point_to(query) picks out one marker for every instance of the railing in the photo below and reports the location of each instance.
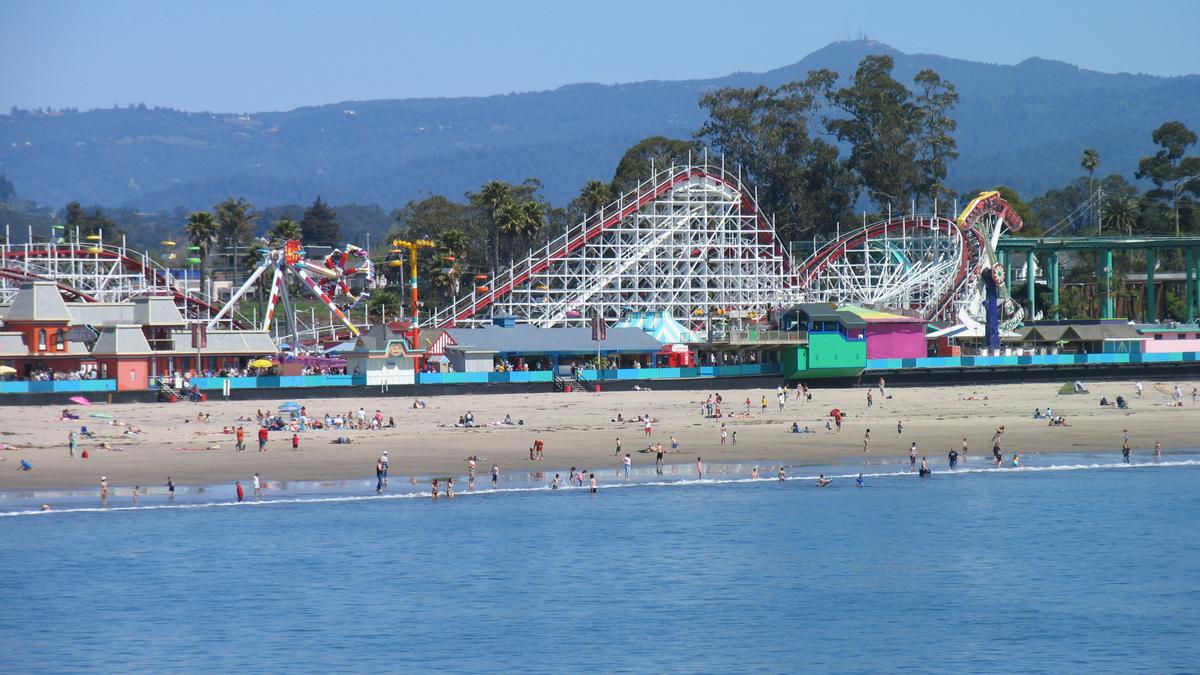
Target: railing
(770, 336)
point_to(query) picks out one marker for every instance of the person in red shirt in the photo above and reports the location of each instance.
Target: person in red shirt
(241, 493)
(295, 441)
(262, 439)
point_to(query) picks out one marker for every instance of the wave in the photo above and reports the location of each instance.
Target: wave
(686, 482)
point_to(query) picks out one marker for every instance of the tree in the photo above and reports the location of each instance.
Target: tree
(879, 124)
(78, 220)
(1172, 173)
(655, 153)
(202, 233)
(936, 146)
(319, 225)
(596, 194)
(800, 178)
(235, 224)
(1090, 161)
(7, 191)
(494, 196)
(283, 230)
(1121, 213)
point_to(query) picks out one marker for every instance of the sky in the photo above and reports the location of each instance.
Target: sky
(260, 55)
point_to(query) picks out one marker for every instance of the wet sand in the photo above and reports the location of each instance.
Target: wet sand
(578, 431)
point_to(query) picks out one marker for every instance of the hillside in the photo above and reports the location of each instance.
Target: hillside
(1022, 125)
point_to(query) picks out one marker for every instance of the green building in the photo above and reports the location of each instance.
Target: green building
(837, 342)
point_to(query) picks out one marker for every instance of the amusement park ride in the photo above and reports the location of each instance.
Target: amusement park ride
(325, 280)
(690, 241)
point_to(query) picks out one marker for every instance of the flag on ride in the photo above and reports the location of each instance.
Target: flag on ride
(599, 329)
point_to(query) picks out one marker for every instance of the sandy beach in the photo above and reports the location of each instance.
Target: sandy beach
(578, 431)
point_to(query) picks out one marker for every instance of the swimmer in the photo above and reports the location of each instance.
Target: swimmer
(449, 488)
(592, 479)
(782, 474)
(435, 489)
(859, 481)
(1157, 451)
(754, 474)
(555, 483)
(1016, 461)
(822, 481)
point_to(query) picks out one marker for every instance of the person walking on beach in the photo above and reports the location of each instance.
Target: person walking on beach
(747, 405)
(103, 491)
(953, 457)
(867, 441)
(170, 489)
(1157, 451)
(899, 427)
(258, 491)
(649, 428)
(733, 437)
(495, 475)
(627, 462)
(674, 443)
(912, 457)
(1138, 386)
(240, 434)
(262, 439)
(699, 469)
(882, 391)
(764, 404)
(295, 441)
(241, 492)
(963, 454)
(724, 434)
(617, 452)
(383, 461)
(658, 460)
(870, 399)
(72, 439)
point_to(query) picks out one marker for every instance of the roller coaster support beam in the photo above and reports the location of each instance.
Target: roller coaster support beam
(1151, 295)
(238, 296)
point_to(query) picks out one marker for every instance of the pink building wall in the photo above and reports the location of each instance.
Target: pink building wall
(896, 340)
(1165, 346)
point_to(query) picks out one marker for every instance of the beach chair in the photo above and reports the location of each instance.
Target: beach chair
(83, 432)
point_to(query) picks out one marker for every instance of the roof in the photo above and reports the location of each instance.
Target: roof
(38, 301)
(13, 344)
(101, 313)
(1079, 332)
(375, 339)
(157, 310)
(661, 325)
(878, 316)
(247, 342)
(121, 340)
(527, 339)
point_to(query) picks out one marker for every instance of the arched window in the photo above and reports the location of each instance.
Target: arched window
(41, 344)
(60, 340)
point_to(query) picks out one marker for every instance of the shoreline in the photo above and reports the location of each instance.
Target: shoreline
(578, 432)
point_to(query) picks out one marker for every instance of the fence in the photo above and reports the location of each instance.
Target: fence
(57, 386)
(1032, 360)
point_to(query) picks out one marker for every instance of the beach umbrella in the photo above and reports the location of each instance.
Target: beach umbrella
(101, 416)
(290, 406)
(835, 413)
(80, 400)
(7, 370)
(261, 363)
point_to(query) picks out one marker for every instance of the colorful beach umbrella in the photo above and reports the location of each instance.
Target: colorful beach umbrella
(261, 363)
(80, 400)
(7, 370)
(101, 416)
(290, 406)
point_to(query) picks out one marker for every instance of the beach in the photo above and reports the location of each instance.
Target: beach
(578, 430)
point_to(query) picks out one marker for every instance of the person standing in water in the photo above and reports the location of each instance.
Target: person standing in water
(782, 475)
(592, 479)
(170, 489)
(555, 483)
(953, 457)
(699, 469)
(434, 489)
(912, 457)
(378, 476)
(136, 494)
(241, 492)
(754, 473)
(258, 491)
(471, 472)
(963, 454)
(859, 481)
(627, 462)
(450, 487)
(495, 475)
(1157, 451)
(103, 490)
(658, 459)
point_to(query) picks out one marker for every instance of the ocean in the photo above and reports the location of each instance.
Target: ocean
(1072, 564)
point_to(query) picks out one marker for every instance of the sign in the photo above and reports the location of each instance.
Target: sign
(599, 329)
(199, 336)
(395, 349)
(679, 349)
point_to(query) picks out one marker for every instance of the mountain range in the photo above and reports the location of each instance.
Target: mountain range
(1023, 125)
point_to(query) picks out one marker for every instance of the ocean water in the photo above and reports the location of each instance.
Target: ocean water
(1073, 564)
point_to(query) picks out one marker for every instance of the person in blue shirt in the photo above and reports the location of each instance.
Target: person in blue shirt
(859, 481)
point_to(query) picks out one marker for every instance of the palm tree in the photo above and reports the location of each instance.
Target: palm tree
(595, 195)
(283, 230)
(533, 218)
(1121, 212)
(1089, 162)
(202, 233)
(451, 244)
(495, 196)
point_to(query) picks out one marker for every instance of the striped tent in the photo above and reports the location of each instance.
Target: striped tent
(660, 325)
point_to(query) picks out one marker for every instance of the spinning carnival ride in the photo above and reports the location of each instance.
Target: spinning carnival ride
(326, 280)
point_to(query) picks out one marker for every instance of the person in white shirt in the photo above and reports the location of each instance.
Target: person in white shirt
(258, 492)
(628, 462)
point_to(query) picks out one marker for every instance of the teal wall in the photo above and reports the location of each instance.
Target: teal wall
(1042, 360)
(57, 387)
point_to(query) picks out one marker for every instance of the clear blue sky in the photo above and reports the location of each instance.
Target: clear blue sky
(254, 55)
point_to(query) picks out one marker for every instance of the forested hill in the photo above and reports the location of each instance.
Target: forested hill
(1022, 125)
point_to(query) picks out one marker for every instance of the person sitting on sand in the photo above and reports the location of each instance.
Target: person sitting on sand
(1037, 413)
(795, 427)
(68, 415)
